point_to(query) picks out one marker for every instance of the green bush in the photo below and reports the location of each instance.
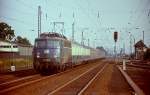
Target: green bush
(6, 63)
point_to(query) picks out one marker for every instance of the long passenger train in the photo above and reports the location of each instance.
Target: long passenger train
(53, 52)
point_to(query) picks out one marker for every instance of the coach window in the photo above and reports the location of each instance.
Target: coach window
(14, 46)
(6, 46)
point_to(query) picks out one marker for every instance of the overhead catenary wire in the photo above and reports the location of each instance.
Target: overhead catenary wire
(143, 16)
(23, 24)
(86, 13)
(137, 13)
(18, 12)
(134, 13)
(26, 5)
(142, 11)
(82, 9)
(16, 20)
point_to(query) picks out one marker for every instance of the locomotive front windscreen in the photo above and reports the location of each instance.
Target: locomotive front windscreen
(46, 48)
(47, 43)
(53, 44)
(40, 43)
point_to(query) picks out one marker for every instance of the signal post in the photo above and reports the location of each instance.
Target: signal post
(115, 39)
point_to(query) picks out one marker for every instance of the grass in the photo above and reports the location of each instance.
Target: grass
(19, 63)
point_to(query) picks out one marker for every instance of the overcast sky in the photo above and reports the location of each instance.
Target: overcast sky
(97, 18)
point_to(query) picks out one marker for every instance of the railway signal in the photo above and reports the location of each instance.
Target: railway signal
(115, 36)
(115, 39)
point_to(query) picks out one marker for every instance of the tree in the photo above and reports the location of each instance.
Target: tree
(6, 33)
(23, 41)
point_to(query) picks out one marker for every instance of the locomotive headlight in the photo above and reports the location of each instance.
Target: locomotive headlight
(38, 55)
(57, 53)
(46, 51)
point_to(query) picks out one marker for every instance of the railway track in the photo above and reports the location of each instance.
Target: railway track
(81, 80)
(14, 83)
(141, 76)
(80, 83)
(139, 66)
(10, 76)
(13, 87)
(96, 81)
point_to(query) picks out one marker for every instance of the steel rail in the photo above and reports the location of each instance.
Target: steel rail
(91, 81)
(61, 87)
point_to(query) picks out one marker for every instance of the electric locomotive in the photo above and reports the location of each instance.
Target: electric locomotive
(52, 51)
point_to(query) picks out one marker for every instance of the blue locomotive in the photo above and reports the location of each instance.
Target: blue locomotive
(54, 52)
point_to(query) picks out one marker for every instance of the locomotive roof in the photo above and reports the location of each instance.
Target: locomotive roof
(51, 35)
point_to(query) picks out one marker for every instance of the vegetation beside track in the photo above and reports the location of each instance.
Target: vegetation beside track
(19, 63)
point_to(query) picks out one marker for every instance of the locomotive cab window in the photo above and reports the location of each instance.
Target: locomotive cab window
(47, 43)
(40, 43)
(53, 43)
